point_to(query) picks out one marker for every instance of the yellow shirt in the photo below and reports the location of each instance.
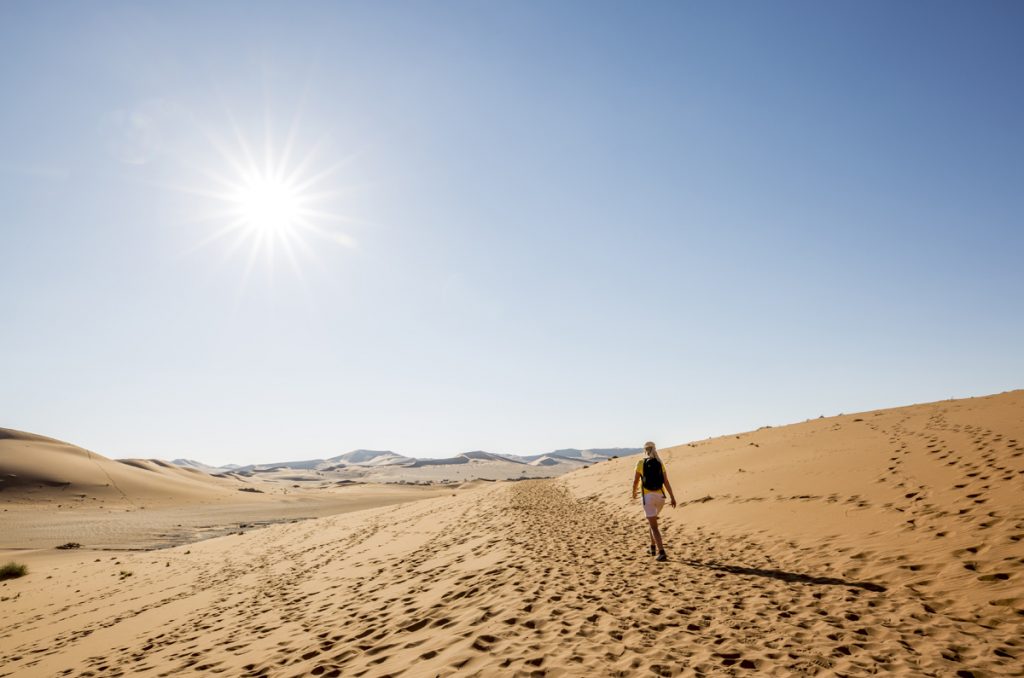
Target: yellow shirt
(640, 470)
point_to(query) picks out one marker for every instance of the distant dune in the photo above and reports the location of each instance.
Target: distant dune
(366, 457)
(885, 542)
(385, 466)
(53, 492)
(33, 466)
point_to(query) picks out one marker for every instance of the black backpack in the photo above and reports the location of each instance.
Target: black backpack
(653, 475)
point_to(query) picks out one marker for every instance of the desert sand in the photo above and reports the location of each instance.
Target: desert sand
(878, 542)
(54, 493)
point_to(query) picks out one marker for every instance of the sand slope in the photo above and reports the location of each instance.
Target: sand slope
(34, 467)
(842, 546)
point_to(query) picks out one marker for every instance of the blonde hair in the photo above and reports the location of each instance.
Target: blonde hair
(651, 450)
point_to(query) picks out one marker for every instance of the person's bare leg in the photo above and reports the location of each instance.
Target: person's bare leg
(650, 532)
(655, 533)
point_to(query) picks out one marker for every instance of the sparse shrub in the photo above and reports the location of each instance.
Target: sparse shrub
(13, 570)
(250, 489)
(70, 545)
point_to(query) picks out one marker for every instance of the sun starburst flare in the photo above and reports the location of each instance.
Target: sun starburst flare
(270, 205)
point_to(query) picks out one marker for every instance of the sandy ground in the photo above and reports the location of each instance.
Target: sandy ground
(441, 473)
(128, 527)
(881, 542)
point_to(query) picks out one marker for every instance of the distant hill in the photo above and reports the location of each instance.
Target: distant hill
(590, 455)
(599, 453)
(489, 456)
(306, 465)
(369, 457)
(199, 466)
(386, 465)
(447, 461)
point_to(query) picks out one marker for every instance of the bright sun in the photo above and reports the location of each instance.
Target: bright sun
(268, 206)
(271, 203)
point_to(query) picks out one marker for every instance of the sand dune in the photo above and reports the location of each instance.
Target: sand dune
(882, 542)
(384, 466)
(33, 466)
(53, 493)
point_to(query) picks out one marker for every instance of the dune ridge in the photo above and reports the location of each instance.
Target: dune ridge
(885, 541)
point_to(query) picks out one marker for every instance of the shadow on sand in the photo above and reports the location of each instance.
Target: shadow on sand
(786, 576)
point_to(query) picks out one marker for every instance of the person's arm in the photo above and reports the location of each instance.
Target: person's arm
(636, 483)
(671, 494)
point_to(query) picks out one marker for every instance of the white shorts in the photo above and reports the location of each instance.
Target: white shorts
(653, 503)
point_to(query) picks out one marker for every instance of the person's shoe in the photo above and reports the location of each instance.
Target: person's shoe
(654, 549)
(661, 556)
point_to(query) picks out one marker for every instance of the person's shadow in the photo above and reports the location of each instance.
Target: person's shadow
(785, 576)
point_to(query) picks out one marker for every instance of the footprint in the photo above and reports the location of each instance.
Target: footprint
(998, 576)
(484, 643)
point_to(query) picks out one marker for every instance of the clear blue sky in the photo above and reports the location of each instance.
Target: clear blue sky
(543, 224)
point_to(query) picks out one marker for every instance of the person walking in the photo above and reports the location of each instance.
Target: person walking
(652, 479)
